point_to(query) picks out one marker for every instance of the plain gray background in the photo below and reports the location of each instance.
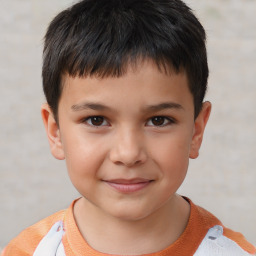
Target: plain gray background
(222, 179)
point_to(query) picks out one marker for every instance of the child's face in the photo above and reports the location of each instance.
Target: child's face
(127, 141)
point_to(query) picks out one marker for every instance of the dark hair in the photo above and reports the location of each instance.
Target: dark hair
(101, 37)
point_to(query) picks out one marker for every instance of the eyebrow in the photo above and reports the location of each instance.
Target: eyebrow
(149, 108)
(89, 105)
(163, 106)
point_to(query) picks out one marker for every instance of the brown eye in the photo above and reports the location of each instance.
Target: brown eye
(158, 120)
(96, 121)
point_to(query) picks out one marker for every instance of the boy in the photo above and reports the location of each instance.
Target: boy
(125, 82)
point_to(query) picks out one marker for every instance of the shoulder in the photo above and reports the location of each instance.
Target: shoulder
(27, 241)
(220, 240)
(239, 240)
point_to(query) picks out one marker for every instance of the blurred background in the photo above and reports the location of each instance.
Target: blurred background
(222, 180)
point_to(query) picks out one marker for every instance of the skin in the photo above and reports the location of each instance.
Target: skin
(127, 143)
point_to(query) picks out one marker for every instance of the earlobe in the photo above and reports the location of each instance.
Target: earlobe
(199, 127)
(53, 132)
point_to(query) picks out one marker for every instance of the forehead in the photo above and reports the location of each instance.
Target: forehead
(144, 83)
(134, 66)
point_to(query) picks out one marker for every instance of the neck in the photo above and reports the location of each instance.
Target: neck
(112, 235)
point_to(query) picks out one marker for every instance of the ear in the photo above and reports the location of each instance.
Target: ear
(53, 132)
(199, 126)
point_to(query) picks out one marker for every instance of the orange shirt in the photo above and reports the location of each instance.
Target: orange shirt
(200, 221)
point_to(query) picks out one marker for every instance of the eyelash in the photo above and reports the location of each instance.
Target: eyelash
(166, 121)
(90, 118)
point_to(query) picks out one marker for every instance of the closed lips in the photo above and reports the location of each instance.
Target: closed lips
(127, 186)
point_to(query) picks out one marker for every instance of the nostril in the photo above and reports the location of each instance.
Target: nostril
(127, 151)
(130, 164)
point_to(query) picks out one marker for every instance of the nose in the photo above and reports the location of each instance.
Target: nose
(128, 149)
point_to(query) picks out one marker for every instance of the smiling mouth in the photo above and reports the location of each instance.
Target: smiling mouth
(129, 186)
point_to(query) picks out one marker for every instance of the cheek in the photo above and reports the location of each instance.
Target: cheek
(84, 154)
(171, 147)
(172, 155)
(84, 159)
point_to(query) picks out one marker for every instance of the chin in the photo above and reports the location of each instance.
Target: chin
(130, 213)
